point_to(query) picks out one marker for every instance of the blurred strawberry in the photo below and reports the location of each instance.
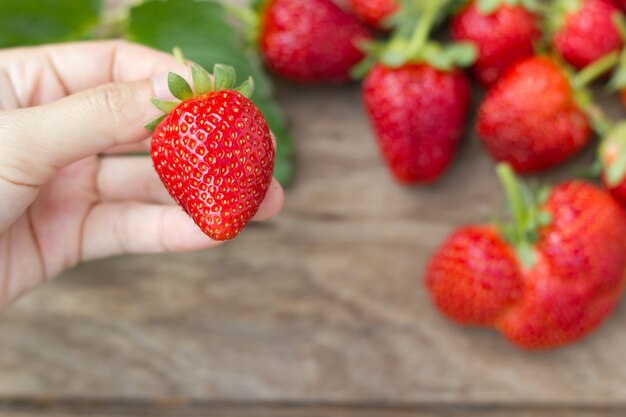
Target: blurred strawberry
(374, 12)
(309, 41)
(418, 113)
(546, 280)
(504, 32)
(531, 119)
(585, 30)
(416, 98)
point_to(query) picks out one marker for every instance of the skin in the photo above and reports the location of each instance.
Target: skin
(69, 115)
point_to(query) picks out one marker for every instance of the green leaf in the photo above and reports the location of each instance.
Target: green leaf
(33, 22)
(164, 106)
(224, 77)
(153, 124)
(202, 31)
(247, 87)
(179, 87)
(202, 82)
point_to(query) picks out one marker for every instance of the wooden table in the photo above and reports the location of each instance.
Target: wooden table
(320, 312)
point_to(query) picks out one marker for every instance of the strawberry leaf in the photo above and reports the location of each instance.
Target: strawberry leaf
(33, 22)
(224, 77)
(202, 82)
(247, 88)
(164, 106)
(179, 87)
(153, 124)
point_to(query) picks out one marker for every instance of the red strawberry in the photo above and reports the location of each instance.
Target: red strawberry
(213, 151)
(586, 31)
(418, 113)
(503, 36)
(612, 155)
(310, 41)
(546, 281)
(416, 98)
(374, 12)
(530, 118)
(474, 276)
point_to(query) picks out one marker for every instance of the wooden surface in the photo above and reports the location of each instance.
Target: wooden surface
(319, 312)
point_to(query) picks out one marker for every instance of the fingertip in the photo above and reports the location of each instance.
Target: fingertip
(181, 234)
(273, 202)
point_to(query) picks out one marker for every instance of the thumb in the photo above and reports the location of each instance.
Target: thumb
(43, 139)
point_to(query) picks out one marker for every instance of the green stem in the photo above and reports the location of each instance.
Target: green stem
(113, 23)
(424, 27)
(514, 196)
(594, 70)
(600, 124)
(520, 209)
(178, 54)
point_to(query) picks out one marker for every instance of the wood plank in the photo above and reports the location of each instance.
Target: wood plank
(324, 303)
(298, 410)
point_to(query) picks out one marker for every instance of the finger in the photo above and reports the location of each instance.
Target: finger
(43, 74)
(273, 202)
(75, 127)
(130, 179)
(118, 228)
(139, 147)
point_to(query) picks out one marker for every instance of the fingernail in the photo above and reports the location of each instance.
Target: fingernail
(159, 82)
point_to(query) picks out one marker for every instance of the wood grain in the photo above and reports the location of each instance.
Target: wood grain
(297, 410)
(323, 303)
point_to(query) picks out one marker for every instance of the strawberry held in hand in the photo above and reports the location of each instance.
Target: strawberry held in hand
(504, 32)
(545, 281)
(585, 30)
(213, 151)
(416, 99)
(374, 12)
(309, 41)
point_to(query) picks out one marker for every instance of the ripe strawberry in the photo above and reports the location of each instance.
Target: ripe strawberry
(418, 113)
(415, 97)
(310, 41)
(612, 155)
(586, 31)
(374, 12)
(213, 151)
(547, 280)
(531, 119)
(503, 36)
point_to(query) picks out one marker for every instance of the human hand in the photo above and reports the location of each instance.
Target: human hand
(68, 114)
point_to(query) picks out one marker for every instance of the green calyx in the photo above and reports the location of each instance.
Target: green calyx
(410, 41)
(487, 7)
(528, 217)
(558, 13)
(612, 155)
(223, 78)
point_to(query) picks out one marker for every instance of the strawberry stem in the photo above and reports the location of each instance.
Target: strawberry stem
(599, 122)
(526, 216)
(178, 54)
(424, 27)
(595, 70)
